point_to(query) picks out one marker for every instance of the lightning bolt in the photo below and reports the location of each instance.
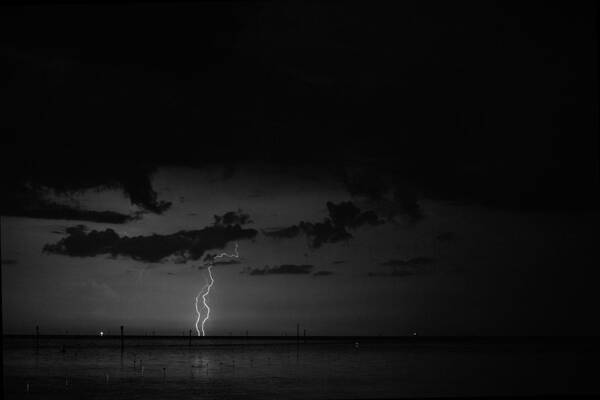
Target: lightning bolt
(207, 292)
(212, 281)
(236, 255)
(198, 310)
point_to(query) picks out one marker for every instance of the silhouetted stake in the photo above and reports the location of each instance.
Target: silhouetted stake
(27, 388)
(122, 341)
(164, 373)
(190, 338)
(304, 335)
(37, 338)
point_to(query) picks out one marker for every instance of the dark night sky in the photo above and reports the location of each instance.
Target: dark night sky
(428, 167)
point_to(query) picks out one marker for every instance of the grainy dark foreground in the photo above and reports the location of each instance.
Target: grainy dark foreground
(314, 368)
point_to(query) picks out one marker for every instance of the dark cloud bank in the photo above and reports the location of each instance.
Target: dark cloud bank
(187, 245)
(233, 218)
(404, 268)
(223, 262)
(51, 210)
(342, 216)
(283, 269)
(540, 116)
(26, 189)
(395, 197)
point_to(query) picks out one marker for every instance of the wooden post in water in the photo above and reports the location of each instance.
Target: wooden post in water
(190, 338)
(122, 340)
(304, 335)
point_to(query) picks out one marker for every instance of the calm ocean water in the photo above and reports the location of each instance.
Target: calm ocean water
(236, 368)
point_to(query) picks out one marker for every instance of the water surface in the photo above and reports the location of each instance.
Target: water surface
(151, 367)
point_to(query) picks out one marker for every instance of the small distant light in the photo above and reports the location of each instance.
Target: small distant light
(414, 333)
(101, 333)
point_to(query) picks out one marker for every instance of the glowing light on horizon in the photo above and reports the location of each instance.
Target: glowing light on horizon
(200, 330)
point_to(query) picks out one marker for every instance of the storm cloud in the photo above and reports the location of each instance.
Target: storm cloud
(220, 261)
(283, 269)
(232, 218)
(342, 216)
(283, 233)
(403, 268)
(185, 245)
(394, 196)
(27, 188)
(50, 210)
(324, 232)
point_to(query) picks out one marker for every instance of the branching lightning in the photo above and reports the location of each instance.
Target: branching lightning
(212, 281)
(207, 287)
(198, 311)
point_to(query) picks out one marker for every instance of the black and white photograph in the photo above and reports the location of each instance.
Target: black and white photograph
(299, 200)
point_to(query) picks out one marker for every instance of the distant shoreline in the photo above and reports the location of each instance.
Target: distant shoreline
(348, 338)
